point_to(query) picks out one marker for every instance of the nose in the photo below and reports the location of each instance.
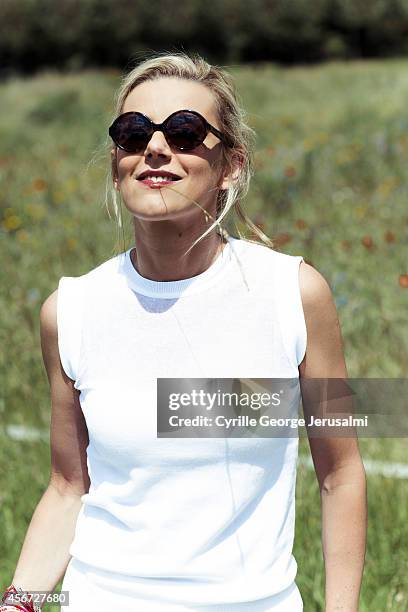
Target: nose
(157, 146)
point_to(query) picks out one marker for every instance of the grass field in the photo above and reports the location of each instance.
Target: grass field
(330, 184)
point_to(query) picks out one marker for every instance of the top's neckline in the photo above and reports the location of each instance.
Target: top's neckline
(185, 286)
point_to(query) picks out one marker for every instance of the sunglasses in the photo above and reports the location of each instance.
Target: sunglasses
(184, 130)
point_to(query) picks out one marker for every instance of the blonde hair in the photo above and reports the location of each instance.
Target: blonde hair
(232, 123)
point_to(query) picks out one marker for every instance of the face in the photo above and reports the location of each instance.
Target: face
(199, 170)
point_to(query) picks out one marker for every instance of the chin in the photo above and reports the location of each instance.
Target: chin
(158, 210)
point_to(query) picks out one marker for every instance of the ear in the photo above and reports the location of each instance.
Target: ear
(232, 172)
(114, 168)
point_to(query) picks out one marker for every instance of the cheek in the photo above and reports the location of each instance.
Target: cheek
(127, 166)
(204, 170)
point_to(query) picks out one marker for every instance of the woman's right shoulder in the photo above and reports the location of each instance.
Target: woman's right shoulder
(48, 313)
(49, 308)
(49, 334)
(72, 287)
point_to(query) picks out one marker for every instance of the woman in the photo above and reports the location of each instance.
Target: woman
(204, 522)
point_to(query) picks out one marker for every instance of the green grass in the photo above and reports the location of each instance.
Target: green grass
(331, 183)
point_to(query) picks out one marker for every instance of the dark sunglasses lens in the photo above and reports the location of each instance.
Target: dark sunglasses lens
(131, 132)
(186, 131)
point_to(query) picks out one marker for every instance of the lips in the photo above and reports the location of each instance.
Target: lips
(155, 179)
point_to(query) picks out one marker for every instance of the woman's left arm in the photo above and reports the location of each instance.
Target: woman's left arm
(337, 461)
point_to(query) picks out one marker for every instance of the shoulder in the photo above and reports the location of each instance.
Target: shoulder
(49, 333)
(317, 299)
(314, 288)
(48, 315)
(324, 354)
(65, 299)
(263, 254)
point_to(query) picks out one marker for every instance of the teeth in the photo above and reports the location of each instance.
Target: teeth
(158, 179)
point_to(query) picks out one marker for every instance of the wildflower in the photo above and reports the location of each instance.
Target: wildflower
(403, 281)
(389, 236)
(367, 242)
(290, 171)
(281, 239)
(300, 224)
(39, 184)
(12, 222)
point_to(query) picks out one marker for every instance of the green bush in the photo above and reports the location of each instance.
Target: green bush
(72, 34)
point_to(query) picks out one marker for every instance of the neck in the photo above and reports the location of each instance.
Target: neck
(160, 260)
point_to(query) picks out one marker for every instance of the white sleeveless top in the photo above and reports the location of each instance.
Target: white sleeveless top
(202, 520)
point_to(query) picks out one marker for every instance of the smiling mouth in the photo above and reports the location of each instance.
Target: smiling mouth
(158, 181)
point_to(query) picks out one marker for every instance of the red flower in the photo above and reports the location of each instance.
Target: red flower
(300, 224)
(39, 184)
(403, 281)
(281, 239)
(290, 171)
(367, 242)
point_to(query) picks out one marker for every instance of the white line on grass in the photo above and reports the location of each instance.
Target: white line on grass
(23, 433)
(372, 467)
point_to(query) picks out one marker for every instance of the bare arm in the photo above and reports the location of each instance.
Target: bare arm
(337, 461)
(45, 553)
